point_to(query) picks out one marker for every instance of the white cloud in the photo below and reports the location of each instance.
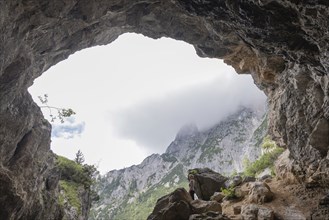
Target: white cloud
(68, 130)
(155, 122)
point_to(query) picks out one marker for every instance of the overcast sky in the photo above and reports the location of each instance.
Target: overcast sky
(132, 96)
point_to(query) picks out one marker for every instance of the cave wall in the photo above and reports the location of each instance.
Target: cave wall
(283, 44)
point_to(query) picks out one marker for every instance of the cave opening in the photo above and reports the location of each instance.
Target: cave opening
(133, 95)
(286, 55)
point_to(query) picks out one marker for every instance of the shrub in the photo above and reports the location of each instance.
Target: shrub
(71, 194)
(74, 172)
(266, 160)
(228, 192)
(194, 171)
(268, 144)
(75, 177)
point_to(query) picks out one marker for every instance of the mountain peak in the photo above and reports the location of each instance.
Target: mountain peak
(187, 130)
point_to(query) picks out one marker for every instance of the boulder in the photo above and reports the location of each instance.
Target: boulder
(207, 182)
(256, 212)
(248, 179)
(265, 177)
(174, 206)
(208, 216)
(234, 181)
(260, 193)
(242, 191)
(200, 206)
(265, 213)
(218, 197)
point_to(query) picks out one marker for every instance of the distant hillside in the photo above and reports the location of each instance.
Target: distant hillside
(131, 193)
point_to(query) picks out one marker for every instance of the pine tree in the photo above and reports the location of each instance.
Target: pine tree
(79, 158)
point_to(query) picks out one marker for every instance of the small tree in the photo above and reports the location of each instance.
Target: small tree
(79, 158)
(61, 112)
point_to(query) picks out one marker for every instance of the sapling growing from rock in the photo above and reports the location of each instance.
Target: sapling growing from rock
(61, 112)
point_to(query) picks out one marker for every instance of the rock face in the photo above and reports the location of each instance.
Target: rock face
(207, 182)
(282, 44)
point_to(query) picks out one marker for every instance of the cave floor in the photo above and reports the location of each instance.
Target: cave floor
(291, 201)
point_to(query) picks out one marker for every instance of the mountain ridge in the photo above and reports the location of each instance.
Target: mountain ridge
(133, 191)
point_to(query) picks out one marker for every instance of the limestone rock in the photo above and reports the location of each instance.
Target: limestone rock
(234, 181)
(208, 182)
(260, 193)
(172, 206)
(208, 216)
(243, 190)
(283, 168)
(256, 212)
(218, 197)
(200, 206)
(248, 179)
(265, 178)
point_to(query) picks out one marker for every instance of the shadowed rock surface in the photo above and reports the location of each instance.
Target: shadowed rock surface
(176, 205)
(179, 205)
(207, 182)
(282, 44)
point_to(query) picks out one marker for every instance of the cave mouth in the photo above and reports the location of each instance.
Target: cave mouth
(282, 44)
(163, 78)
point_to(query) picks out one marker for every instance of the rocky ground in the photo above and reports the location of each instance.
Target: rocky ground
(245, 198)
(290, 201)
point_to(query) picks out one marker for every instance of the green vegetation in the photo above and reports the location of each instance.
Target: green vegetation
(228, 192)
(268, 144)
(79, 158)
(71, 194)
(194, 171)
(61, 112)
(75, 178)
(263, 162)
(74, 172)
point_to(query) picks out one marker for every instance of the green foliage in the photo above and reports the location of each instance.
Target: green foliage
(228, 192)
(71, 171)
(266, 160)
(71, 193)
(79, 158)
(61, 112)
(194, 171)
(268, 144)
(74, 179)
